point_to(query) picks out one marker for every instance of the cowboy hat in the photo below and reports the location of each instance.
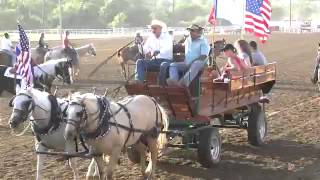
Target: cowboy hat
(158, 23)
(195, 27)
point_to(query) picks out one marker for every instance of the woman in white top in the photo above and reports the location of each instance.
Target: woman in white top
(244, 51)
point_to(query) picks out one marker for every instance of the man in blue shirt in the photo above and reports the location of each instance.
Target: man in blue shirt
(196, 53)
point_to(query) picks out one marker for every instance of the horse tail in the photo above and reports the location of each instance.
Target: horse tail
(162, 138)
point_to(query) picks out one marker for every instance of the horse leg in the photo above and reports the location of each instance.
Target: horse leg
(91, 169)
(40, 160)
(73, 165)
(152, 144)
(122, 64)
(113, 161)
(141, 148)
(99, 161)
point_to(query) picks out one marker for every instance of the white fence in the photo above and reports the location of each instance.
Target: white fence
(55, 34)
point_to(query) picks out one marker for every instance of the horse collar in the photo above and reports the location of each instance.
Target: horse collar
(56, 118)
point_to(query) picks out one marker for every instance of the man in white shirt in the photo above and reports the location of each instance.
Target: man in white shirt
(157, 50)
(6, 46)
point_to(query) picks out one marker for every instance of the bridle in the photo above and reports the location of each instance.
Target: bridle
(83, 116)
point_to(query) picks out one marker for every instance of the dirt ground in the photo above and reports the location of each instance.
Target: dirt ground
(291, 151)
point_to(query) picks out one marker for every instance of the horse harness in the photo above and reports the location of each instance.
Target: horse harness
(104, 124)
(57, 117)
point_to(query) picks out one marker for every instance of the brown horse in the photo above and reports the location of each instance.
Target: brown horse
(132, 53)
(5, 59)
(316, 73)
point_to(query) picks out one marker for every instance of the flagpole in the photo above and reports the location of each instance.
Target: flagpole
(243, 21)
(214, 25)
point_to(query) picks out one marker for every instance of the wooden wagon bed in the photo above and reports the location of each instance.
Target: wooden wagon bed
(206, 98)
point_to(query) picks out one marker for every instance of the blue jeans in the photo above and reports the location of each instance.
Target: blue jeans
(146, 65)
(191, 71)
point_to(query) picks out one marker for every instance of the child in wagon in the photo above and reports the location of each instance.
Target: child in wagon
(235, 66)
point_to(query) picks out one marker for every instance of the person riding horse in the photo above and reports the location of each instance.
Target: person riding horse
(7, 48)
(66, 43)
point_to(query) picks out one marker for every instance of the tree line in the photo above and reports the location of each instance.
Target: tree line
(36, 14)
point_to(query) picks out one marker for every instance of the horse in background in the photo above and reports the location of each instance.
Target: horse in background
(60, 52)
(131, 53)
(44, 75)
(109, 127)
(86, 50)
(5, 59)
(316, 73)
(38, 54)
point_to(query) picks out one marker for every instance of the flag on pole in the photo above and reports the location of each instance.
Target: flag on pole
(23, 52)
(213, 13)
(257, 18)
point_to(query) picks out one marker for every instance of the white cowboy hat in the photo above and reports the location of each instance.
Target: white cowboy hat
(158, 23)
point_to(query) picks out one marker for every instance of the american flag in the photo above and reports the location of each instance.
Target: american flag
(257, 18)
(24, 57)
(213, 13)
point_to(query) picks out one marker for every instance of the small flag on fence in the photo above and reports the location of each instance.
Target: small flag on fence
(257, 18)
(23, 53)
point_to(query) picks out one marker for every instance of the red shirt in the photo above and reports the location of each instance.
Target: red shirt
(66, 42)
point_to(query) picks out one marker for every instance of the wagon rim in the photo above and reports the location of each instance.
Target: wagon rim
(215, 148)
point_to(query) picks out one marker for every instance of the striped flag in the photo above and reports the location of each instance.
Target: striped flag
(257, 18)
(23, 52)
(213, 13)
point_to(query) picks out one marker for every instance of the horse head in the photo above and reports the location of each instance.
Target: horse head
(64, 70)
(22, 106)
(92, 50)
(81, 108)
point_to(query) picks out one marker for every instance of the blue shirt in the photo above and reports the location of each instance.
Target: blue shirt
(195, 48)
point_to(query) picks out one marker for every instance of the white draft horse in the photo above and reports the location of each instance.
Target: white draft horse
(109, 127)
(47, 123)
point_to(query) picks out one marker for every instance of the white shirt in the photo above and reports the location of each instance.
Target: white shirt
(6, 44)
(163, 44)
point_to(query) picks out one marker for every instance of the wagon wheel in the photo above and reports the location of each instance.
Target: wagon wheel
(209, 148)
(133, 155)
(257, 125)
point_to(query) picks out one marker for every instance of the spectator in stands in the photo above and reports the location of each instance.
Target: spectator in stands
(41, 42)
(157, 49)
(244, 51)
(257, 56)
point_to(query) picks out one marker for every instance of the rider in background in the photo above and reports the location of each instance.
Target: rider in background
(6, 45)
(244, 51)
(257, 56)
(41, 42)
(66, 42)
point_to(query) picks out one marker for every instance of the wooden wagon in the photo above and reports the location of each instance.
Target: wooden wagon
(197, 112)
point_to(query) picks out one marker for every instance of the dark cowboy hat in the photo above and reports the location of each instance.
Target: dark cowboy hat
(195, 27)
(229, 47)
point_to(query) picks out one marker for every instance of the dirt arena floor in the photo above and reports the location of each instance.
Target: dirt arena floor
(291, 152)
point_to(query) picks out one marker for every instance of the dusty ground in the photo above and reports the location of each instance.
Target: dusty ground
(294, 121)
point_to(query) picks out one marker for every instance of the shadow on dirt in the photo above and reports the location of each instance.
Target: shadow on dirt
(244, 162)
